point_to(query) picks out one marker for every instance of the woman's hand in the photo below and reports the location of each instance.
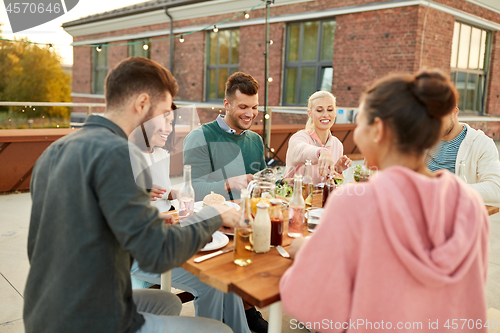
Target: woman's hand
(325, 162)
(342, 163)
(156, 192)
(295, 246)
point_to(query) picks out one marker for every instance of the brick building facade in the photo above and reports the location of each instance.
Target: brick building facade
(371, 38)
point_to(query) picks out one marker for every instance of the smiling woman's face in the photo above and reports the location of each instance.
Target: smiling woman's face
(163, 128)
(322, 113)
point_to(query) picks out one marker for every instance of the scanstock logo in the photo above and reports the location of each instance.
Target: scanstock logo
(26, 14)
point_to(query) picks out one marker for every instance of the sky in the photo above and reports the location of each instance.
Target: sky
(52, 32)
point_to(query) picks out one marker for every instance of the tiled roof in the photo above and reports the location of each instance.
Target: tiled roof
(143, 7)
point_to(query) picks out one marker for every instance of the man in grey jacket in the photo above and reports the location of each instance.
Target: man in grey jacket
(89, 217)
(471, 155)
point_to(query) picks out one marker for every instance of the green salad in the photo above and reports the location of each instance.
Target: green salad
(283, 189)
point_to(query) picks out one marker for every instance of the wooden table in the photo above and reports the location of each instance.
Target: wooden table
(257, 283)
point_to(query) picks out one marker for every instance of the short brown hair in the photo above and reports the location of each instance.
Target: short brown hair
(245, 83)
(412, 106)
(137, 75)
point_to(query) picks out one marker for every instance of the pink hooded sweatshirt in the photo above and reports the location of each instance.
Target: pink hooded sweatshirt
(402, 252)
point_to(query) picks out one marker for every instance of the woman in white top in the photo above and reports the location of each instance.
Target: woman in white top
(316, 142)
(156, 140)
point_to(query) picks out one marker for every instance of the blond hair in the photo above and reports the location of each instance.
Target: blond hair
(316, 95)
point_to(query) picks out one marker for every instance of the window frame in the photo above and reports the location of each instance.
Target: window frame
(231, 67)
(483, 74)
(299, 64)
(96, 69)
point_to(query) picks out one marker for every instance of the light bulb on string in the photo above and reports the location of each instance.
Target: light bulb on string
(215, 28)
(266, 116)
(271, 42)
(99, 48)
(145, 46)
(181, 39)
(270, 79)
(247, 16)
(51, 48)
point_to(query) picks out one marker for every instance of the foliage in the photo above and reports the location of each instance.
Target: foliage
(33, 73)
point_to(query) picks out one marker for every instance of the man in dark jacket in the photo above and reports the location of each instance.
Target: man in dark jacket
(89, 217)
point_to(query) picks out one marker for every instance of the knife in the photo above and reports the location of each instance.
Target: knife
(211, 255)
(283, 252)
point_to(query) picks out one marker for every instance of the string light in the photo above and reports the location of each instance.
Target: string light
(270, 79)
(99, 48)
(247, 16)
(145, 46)
(51, 48)
(266, 116)
(215, 28)
(181, 39)
(271, 42)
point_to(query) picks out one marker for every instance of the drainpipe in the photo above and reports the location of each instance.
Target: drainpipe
(172, 40)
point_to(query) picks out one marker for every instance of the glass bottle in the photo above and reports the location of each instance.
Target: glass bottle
(296, 209)
(186, 195)
(307, 184)
(328, 188)
(276, 217)
(243, 233)
(262, 229)
(461, 171)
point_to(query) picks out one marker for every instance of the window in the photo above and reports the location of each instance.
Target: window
(100, 69)
(469, 65)
(308, 60)
(223, 56)
(139, 48)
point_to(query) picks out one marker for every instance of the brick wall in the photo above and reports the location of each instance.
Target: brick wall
(82, 70)
(252, 60)
(189, 66)
(116, 53)
(493, 86)
(367, 46)
(435, 28)
(370, 45)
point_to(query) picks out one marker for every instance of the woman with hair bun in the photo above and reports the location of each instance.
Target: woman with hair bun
(409, 248)
(316, 142)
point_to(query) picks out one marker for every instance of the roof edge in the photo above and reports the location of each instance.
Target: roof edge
(124, 12)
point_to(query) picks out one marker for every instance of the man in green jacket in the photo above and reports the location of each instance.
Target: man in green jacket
(224, 154)
(89, 217)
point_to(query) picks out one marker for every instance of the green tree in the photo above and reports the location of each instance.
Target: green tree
(33, 73)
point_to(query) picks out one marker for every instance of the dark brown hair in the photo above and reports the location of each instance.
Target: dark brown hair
(245, 83)
(412, 106)
(137, 75)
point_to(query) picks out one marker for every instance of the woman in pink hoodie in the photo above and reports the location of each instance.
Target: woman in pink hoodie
(406, 251)
(316, 142)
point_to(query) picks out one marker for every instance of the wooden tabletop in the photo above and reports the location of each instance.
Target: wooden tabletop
(492, 209)
(257, 283)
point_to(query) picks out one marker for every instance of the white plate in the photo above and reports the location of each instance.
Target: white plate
(219, 241)
(199, 205)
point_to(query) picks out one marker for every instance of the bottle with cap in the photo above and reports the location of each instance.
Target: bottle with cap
(262, 229)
